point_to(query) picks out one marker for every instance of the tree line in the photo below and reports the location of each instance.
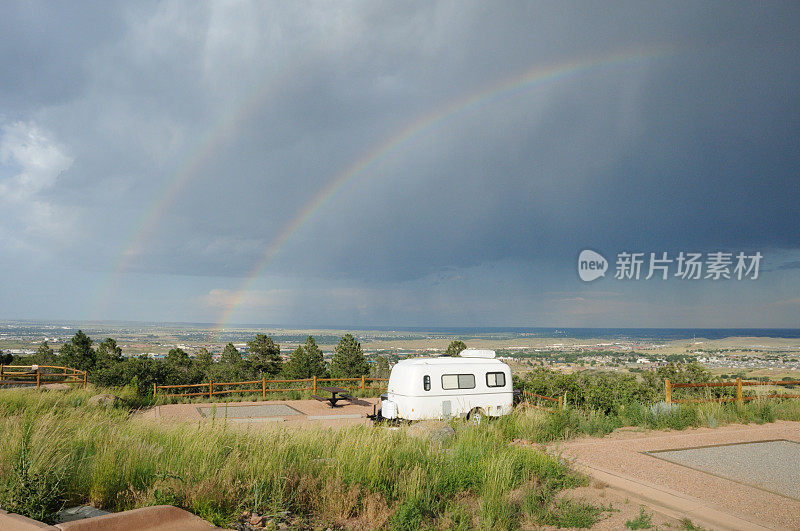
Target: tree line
(106, 365)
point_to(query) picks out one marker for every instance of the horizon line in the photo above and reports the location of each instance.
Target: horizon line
(234, 326)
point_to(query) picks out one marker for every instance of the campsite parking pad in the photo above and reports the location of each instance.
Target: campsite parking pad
(276, 413)
(773, 466)
(703, 473)
(248, 411)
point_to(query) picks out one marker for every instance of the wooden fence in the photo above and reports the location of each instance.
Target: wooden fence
(738, 384)
(558, 401)
(28, 375)
(262, 386)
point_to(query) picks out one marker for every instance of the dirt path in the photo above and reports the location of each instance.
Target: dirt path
(719, 497)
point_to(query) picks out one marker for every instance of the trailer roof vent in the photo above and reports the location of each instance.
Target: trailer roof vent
(475, 353)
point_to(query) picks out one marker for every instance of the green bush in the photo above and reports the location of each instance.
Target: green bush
(643, 521)
(611, 393)
(34, 487)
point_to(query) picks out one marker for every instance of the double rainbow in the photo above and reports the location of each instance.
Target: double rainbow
(506, 88)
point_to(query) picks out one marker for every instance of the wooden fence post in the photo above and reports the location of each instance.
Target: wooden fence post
(210, 388)
(37, 379)
(315, 384)
(362, 382)
(561, 403)
(739, 390)
(667, 391)
(154, 390)
(263, 387)
(84, 379)
(1, 372)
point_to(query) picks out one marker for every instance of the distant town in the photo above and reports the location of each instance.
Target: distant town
(523, 351)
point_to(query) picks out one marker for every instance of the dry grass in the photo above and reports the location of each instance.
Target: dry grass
(360, 477)
(355, 477)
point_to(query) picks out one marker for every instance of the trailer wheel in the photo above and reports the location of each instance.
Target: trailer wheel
(476, 415)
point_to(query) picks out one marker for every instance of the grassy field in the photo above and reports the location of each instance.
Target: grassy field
(57, 450)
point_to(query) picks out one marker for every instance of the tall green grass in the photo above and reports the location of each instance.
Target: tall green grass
(540, 426)
(59, 448)
(359, 476)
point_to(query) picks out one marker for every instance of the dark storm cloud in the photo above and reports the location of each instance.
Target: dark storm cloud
(697, 151)
(44, 49)
(258, 107)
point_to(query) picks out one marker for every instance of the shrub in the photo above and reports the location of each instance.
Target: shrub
(32, 489)
(610, 393)
(643, 521)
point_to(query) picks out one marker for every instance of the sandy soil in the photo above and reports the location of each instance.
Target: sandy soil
(623, 507)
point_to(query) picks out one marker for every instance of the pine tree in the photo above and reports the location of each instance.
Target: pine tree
(78, 353)
(203, 358)
(178, 357)
(231, 355)
(296, 367)
(44, 355)
(265, 355)
(348, 360)
(108, 352)
(316, 361)
(455, 348)
(306, 361)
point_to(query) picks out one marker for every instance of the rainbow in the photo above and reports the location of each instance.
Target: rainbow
(508, 87)
(225, 129)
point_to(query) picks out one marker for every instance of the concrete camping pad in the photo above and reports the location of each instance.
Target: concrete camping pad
(705, 474)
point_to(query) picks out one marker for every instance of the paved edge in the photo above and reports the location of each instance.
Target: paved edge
(670, 502)
(15, 522)
(158, 517)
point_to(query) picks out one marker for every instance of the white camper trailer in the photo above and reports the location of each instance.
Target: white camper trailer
(472, 385)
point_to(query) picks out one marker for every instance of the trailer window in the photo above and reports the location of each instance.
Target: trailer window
(495, 379)
(458, 381)
(426, 382)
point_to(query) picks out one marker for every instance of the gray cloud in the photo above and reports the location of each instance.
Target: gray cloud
(31, 218)
(257, 107)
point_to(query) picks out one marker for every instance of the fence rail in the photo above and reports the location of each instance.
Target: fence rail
(213, 388)
(738, 384)
(28, 375)
(559, 401)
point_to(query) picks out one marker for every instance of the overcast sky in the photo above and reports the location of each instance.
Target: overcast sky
(397, 163)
